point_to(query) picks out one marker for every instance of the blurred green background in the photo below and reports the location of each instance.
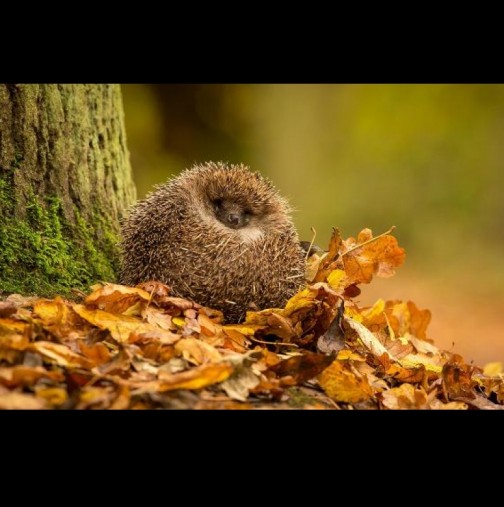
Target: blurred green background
(426, 158)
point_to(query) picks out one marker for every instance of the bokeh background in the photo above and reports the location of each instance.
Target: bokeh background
(425, 158)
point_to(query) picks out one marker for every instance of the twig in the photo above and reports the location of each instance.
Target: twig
(360, 245)
(314, 232)
(272, 343)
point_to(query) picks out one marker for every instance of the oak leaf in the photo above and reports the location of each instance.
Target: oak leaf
(367, 256)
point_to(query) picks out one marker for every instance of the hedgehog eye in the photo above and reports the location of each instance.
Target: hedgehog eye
(217, 204)
(247, 215)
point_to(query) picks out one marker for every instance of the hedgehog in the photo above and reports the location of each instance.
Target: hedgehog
(218, 234)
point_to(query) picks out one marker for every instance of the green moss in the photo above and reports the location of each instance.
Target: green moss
(42, 254)
(299, 399)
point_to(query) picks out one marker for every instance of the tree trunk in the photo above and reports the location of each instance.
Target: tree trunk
(65, 180)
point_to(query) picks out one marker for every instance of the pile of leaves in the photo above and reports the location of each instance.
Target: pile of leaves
(141, 348)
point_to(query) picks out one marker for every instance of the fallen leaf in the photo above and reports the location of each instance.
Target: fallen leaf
(239, 384)
(197, 352)
(331, 259)
(14, 376)
(195, 378)
(302, 367)
(14, 400)
(493, 369)
(367, 256)
(369, 340)
(61, 355)
(97, 353)
(406, 396)
(120, 327)
(341, 384)
(7, 308)
(458, 379)
(53, 396)
(482, 403)
(118, 299)
(436, 404)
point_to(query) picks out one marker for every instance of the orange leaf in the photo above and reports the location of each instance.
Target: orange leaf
(117, 299)
(367, 256)
(331, 259)
(21, 375)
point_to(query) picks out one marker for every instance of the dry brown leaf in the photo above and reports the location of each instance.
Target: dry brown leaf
(7, 308)
(271, 322)
(414, 375)
(458, 378)
(302, 367)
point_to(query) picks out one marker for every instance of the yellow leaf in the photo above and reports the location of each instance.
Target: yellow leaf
(54, 396)
(335, 279)
(346, 354)
(195, 378)
(492, 369)
(122, 326)
(341, 384)
(244, 329)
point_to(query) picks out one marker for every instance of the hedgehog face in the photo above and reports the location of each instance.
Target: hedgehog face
(231, 213)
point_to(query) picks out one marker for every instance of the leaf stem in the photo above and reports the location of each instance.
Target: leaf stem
(360, 245)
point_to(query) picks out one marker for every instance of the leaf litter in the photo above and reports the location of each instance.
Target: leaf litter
(141, 348)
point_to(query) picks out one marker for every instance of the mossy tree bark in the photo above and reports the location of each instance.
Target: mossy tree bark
(65, 180)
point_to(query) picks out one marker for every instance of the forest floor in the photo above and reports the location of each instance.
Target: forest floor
(404, 342)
